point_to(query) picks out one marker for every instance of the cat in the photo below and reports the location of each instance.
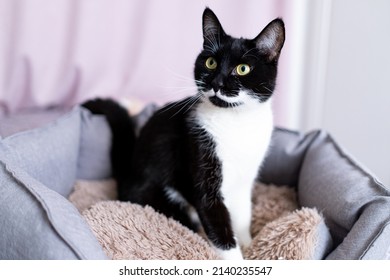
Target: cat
(204, 152)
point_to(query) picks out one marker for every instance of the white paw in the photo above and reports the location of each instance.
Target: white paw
(231, 254)
(244, 238)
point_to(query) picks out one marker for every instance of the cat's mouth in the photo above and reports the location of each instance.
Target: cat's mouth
(222, 101)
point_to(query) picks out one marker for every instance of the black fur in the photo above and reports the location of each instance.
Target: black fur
(173, 151)
(123, 134)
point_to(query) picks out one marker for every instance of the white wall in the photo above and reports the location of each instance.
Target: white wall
(346, 89)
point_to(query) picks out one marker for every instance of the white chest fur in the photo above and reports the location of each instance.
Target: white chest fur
(242, 137)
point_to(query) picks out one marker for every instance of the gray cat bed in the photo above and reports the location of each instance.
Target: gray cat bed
(43, 153)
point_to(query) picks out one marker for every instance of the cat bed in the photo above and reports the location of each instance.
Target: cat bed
(130, 231)
(43, 154)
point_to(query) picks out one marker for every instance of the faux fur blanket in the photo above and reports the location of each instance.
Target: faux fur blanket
(280, 230)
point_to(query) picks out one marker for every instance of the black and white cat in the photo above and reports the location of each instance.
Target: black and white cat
(204, 152)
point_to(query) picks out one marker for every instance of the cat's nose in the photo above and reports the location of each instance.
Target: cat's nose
(217, 84)
(216, 88)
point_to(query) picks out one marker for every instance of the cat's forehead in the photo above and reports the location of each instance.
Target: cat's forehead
(235, 47)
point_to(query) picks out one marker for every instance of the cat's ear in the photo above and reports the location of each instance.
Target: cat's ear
(270, 41)
(212, 29)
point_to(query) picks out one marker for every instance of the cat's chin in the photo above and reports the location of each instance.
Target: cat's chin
(215, 100)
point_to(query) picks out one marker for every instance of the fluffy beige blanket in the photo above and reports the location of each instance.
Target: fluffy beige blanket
(280, 230)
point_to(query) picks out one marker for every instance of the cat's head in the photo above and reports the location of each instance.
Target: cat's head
(230, 72)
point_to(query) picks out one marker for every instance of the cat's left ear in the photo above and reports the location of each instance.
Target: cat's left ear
(270, 41)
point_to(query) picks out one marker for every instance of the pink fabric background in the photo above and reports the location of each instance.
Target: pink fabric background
(65, 51)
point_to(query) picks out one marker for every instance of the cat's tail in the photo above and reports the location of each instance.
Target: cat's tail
(123, 135)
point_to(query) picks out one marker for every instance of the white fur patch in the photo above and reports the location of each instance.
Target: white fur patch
(228, 99)
(231, 254)
(175, 197)
(242, 136)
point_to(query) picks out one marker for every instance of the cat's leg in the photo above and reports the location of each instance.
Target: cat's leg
(238, 202)
(162, 201)
(241, 213)
(216, 222)
(180, 214)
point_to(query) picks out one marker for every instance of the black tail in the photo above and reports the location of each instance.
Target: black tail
(123, 135)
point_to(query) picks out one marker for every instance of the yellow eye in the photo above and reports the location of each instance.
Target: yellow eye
(211, 63)
(243, 69)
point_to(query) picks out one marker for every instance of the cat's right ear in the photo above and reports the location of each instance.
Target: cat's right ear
(212, 30)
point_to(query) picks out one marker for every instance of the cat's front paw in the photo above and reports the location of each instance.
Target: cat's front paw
(245, 239)
(244, 236)
(231, 254)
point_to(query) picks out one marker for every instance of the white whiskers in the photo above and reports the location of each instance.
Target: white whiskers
(187, 86)
(184, 106)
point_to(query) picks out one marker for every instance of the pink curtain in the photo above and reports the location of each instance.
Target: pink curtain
(65, 51)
